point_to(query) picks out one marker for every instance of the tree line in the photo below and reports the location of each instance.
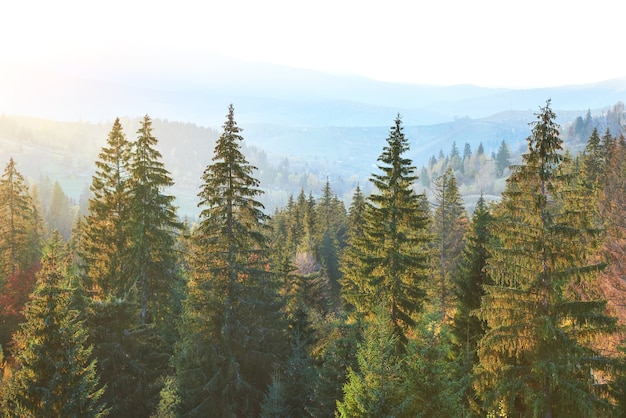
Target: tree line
(395, 306)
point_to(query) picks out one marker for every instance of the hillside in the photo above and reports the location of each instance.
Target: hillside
(300, 126)
(289, 158)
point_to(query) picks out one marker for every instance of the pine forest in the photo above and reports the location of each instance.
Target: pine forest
(401, 301)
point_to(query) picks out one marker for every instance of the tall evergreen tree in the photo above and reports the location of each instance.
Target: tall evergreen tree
(469, 281)
(55, 376)
(106, 229)
(535, 357)
(503, 159)
(60, 214)
(153, 227)
(332, 221)
(377, 387)
(449, 226)
(393, 249)
(229, 333)
(352, 264)
(19, 233)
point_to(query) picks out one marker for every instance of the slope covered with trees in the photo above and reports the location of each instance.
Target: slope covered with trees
(395, 305)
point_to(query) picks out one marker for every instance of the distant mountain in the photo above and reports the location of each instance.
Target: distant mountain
(198, 89)
(300, 126)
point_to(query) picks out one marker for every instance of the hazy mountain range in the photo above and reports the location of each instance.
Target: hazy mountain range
(329, 124)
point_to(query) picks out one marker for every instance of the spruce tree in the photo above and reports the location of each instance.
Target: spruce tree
(55, 375)
(469, 281)
(393, 249)
(449, 226)
(535, 358)
(503, 159)
(152, 259)
(230, 336)
(352, 264)
(377, 388)
(104, 246)
(331, 223)
(60, 214)
(19, 232)
(593, 160)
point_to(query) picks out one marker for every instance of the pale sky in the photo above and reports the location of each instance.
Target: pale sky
(499, 43)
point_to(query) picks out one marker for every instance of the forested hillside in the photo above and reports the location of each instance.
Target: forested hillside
(289, 158)
(483, 281)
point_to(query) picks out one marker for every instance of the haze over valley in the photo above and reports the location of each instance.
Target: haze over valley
(308, 124)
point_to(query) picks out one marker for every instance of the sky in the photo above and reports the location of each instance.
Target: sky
(516, 43)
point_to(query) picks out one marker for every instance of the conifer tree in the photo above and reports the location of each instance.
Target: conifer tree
(469, 280)
(593, 161)
(106, 228)
(377, 387)
(503, 159)
(449, 226)
(431, 376)
(19, 232)
(153, 225)
(60, 214)
(127, 250)
(55, 375)
(352, 264)
(535, 357)
(393, 250)
(331, 216)
(230, 336)
(334, 353)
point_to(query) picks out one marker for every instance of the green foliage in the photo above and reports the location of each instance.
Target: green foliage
(503, 159)
(19, 224)
(60, 215)
(536, 356)
(274, 403)
(469, 280)
(334, 355)
(20, 234)
(231, 334)
(55, 376)
(448, 227)
(169, 399)
(432, 383)
(352, 264)
(132, 358)
(377, 387)
(152, 260)
(127, 249)
(104, 246)
(390, 262)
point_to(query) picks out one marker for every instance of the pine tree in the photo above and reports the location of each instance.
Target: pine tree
(60, 214)
(431, 377)
(535, 357)
(503, 159)
(334, 353)
(449, 226)
(352, 264)
(393, 250)
(153, 225)
(55, 376)
(230, 336)
(377, 387)
(331, 222)
(106, 229)
(19, 232)
(469, 281)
